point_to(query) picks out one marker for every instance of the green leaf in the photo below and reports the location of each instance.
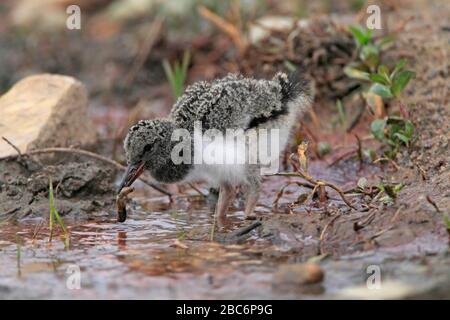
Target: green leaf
(446, 218)
(381, 90)
(395, 120)
(341, 112)
(402, 137)
(398, 187)
(370, 54)
(399, 66)
(361, 36)
(389, 190)
(391, 142)
(384, 72)
(409, 129)
(377, 128)
(400, 81)
(378, 78)
(385, 41)
(352, 72)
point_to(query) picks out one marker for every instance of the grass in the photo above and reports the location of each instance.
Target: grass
(341, 113)
(447, 221)
(55, 217)
(177, 74)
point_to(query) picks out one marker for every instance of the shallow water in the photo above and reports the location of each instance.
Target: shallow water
(164, 251)
(134, 259)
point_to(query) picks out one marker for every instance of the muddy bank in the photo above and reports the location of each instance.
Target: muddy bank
(81, 188)
(138, 260)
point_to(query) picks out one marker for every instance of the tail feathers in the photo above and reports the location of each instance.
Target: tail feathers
(294, 88)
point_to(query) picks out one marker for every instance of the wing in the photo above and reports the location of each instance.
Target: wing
(231, 102)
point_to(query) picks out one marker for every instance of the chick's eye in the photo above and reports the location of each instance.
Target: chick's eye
(147, 148)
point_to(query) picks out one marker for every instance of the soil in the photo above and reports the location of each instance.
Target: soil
(82, 188)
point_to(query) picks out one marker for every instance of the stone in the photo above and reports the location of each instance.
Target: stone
(298, 274)
(45, 111)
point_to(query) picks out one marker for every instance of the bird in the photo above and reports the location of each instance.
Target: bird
(232, 102)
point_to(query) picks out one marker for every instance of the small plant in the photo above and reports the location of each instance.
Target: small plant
(390, 84)
(394, 132)
(386, 84)
(391, 192)
(383, 191)
(381, 84)
(54, 216)
(369, 53)
(177, 74)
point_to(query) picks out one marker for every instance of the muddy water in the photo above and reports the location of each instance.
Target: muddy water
(140, 259)
(132, 260)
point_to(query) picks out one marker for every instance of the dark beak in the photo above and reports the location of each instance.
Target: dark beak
(133, 172)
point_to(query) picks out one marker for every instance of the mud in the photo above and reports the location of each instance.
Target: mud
(81, 188)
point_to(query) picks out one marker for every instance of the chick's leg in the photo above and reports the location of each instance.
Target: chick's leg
(226, 196)
(252, 195)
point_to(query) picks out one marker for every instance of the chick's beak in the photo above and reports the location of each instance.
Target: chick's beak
(133, 172)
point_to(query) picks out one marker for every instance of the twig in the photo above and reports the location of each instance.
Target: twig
(13, 146)
(90, 155)
(322, 234)
(225, 26)
(430, 201)
(342, 157)
(379, 233)
(197, 189)
(244, 230)
(332, 186)
(359, 153)
(423, 173)
(396, 166)
(358, 225)
(282, 189)
(396, 214)
(316, 183)
(356, 119)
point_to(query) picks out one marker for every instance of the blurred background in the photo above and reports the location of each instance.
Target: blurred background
(126, 50)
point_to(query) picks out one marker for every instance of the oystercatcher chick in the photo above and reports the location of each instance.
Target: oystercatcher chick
(235, 103)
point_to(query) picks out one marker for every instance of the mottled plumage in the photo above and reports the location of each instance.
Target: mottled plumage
(233, 102)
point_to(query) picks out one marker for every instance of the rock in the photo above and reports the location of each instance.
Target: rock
(298, 274)
(45, 111)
